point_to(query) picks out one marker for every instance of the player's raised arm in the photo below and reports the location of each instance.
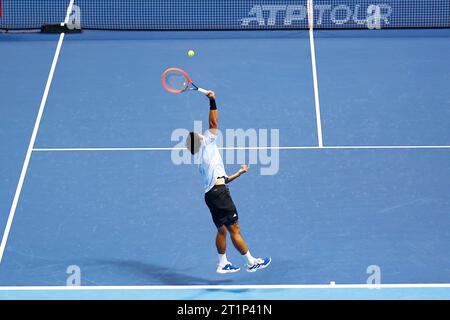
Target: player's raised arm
(213, 113)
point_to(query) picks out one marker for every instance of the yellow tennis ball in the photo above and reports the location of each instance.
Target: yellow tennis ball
(191, 53)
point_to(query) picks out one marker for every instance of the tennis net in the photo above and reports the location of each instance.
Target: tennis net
(227, 14)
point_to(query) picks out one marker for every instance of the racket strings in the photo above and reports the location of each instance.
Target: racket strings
(176, 81)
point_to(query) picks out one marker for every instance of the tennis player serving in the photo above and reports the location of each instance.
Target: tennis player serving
(217, 194)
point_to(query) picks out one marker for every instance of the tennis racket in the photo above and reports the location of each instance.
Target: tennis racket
(176, 80)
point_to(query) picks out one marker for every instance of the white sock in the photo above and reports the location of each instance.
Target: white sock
(250, 259)
(223, 261)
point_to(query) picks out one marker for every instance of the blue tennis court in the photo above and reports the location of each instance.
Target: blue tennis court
(355, 179)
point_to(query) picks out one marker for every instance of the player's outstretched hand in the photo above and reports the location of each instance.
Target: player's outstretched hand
(244, 168)
(211, 95)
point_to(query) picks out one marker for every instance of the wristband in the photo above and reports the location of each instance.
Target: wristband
(212, 104)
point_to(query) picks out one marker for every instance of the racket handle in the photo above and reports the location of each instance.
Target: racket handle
(203, 90)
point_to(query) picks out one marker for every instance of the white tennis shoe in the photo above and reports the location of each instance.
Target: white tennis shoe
(259, 264)
(229, 268)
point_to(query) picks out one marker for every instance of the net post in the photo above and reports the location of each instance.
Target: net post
(310, 10)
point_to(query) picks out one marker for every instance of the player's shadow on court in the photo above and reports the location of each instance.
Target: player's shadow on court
(156, 274)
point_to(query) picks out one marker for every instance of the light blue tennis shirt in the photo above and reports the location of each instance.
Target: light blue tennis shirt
(210, 162)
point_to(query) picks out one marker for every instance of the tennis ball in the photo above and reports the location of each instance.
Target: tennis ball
(191, 53)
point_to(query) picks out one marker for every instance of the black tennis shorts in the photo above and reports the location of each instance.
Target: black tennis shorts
(223, 210)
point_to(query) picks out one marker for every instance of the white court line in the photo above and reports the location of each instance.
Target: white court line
(33, 138)
(229, 287)
(243, 148)
(314, 71)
